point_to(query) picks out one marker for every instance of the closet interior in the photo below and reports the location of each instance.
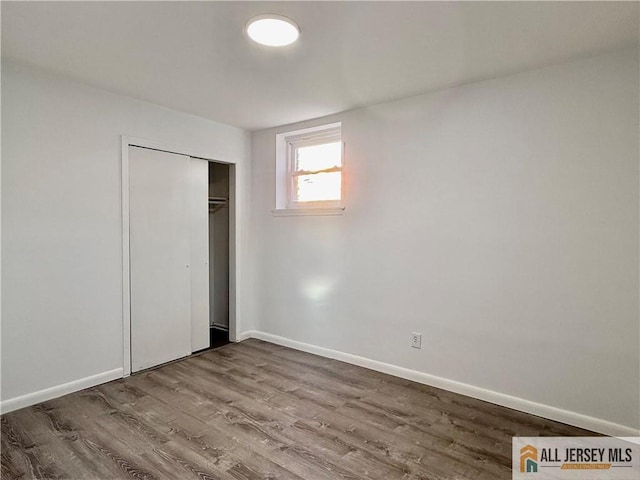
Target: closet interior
(218, 254)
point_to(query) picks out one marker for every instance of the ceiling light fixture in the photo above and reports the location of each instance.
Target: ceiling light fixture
(272, 30)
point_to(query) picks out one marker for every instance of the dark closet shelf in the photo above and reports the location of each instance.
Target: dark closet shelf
(216, 203)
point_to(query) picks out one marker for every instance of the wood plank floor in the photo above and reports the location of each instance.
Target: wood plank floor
(255, 410)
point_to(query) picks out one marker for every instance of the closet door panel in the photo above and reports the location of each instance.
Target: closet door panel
(160, 256)
(199, 216)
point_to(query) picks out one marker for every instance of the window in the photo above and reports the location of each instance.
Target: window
(309, 171)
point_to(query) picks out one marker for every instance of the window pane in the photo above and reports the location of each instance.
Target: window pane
(319, 157)
(318, 186)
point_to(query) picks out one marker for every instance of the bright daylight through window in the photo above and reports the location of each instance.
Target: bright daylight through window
(309, 167)
(317, 174)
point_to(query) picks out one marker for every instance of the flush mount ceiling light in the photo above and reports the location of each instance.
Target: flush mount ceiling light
(272, 30)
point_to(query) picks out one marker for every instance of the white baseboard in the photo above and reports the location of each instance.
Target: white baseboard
(565, 416)
(244, 335)
(59, 390)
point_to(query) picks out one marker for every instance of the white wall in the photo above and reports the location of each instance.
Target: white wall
(61, 221)
(500, 219)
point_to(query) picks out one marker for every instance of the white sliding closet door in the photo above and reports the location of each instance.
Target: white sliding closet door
(199, 209)
(159, 198)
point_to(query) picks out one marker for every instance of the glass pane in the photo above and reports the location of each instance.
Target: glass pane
(317, 187)
(319, 157)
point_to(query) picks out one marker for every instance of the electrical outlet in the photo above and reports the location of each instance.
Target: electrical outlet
(416, 340)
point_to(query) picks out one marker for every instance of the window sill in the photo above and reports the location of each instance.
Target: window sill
(298, 212)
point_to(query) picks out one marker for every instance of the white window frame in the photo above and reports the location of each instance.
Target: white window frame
(286, 145)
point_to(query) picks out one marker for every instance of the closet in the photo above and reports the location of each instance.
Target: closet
(219, 253)
(178, 213)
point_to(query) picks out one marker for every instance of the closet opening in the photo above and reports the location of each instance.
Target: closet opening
(219, 224)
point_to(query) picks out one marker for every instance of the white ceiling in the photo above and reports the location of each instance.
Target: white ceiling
(194, 57)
